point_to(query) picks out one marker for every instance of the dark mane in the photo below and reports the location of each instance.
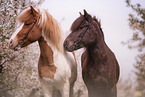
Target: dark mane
(76, 23)
(98, 22)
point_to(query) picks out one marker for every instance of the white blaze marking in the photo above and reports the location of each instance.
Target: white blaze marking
(16, 32)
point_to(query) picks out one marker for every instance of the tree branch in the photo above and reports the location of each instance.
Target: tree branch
(32, 93)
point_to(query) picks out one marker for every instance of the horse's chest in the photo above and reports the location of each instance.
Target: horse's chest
(47, 71)
(58, 71)
(95, 73)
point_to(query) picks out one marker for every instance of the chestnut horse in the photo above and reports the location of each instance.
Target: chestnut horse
(100, 69)
(57, 68)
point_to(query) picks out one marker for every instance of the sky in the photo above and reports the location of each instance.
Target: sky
(114, 21)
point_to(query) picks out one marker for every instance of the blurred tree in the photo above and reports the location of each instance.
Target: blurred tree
(137, 22)
(125, 88)
(18, 75)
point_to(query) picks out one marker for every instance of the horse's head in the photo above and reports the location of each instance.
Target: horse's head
(83, 33)
(29, 31)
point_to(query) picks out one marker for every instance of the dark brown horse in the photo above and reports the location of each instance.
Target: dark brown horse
(100, 69)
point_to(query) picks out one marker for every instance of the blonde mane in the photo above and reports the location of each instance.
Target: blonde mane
(24, 15)
(50, 27)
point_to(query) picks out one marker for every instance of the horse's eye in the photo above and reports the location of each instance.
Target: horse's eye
(83, 26)
(27, 24)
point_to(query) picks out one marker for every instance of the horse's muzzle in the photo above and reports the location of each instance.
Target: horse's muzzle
(13, 47)
(68, 46)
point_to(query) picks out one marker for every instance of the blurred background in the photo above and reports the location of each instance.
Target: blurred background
(123, 24)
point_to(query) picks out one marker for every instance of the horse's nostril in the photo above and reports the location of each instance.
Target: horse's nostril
(10, 41)
(65, 43)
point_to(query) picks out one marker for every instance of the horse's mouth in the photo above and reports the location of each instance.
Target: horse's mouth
(14, 47)
(71, 48)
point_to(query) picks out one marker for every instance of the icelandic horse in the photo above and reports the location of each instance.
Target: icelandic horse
(57, 69)
(100, 69)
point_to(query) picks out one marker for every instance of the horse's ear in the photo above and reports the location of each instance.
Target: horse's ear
(85, 12)
(33, 11)
(80, 13)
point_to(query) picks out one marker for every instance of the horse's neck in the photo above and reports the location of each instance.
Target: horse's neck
(98, 51)
(46, 66)
(46, 53)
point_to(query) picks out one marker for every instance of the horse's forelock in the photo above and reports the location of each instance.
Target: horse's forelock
(79, 20)
(24, 15)
(77, 23)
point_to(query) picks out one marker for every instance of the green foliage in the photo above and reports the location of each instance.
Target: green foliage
(125, 88)
(140, 66)
(137, 22)
(18, 75)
